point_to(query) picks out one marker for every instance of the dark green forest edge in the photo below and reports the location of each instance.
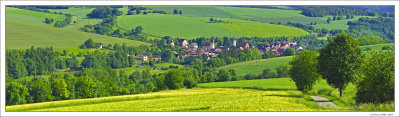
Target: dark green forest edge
(41, 74)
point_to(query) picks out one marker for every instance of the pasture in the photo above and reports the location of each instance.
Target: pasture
(80, 13)
(193, 27)
(45, 36)
(174, 26)
(378, 46)
(195, 11)
(337, 24)
(260, 84)
(257, 66)
(251, 29)
(32, 17)
(199, 99)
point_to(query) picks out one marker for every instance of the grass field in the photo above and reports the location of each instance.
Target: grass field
(251, 29)
(377, 46)
(22, 35)
(210, 99)
(33, 17)
(195, 11)
(80, 13)
(261, 84)
(173, 25)
(321, 88)
(337, 24)
(192, 27)
(257, 66)
(253, 14)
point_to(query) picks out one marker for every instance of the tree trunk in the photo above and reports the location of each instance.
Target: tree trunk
(340, 90)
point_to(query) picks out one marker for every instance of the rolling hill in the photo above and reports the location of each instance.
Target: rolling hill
(257, 66)
(193, 27)
(21, 35)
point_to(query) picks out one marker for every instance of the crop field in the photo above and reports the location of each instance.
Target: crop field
(21, 15)
(80, 13)
(261, 84)
(209, 99)
(173, 25)
(44, 36)
(257, 66)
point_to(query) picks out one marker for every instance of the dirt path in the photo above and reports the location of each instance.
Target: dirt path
(323, 102)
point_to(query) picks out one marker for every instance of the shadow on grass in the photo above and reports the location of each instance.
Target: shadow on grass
(195, 109)
(295, 96)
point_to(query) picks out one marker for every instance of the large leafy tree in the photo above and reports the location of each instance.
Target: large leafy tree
(40, 90)
(85, 87)
(59, 88)
(304, 69)
(340, 60)
(16, 93)
(376, 83)
(174, 79)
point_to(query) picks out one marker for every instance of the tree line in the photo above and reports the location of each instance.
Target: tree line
(340, 62)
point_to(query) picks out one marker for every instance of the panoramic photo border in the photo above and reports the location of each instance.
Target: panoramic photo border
(2, 91)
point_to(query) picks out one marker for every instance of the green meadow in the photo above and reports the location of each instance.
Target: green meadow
(337, 24)
(198, 99)
(257, 66)
(80, 13)
(173, 25)
(378, 46)
(28, 16)
(44, 36)
(192, 27)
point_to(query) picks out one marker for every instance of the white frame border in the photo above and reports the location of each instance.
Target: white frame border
(328, 2)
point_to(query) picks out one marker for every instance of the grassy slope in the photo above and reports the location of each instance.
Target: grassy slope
(215, 99)
(195, 11)
(192, 27)
(80, 13)
(34, 17)
(378, 46)
(337, 24)
(173, 25)
(258, 66)
(251, 29)
(262, 84)
(321, 88)
(269, 15)
(23, 35)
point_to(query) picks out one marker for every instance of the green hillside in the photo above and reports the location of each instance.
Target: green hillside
(215, 99)
(195, 11)
(173, 25)
(193, 27)
(22, 35)
(28, 16)
(80, 13)
(257, 66)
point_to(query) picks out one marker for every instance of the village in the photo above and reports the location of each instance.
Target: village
(212, 51)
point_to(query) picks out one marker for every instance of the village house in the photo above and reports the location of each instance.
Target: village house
(100, 45)
(209, 45)
(243, 45)
(233, 42)
(193, 46)
(143, 56)
(222, 48)
(156, 57)
(171, 42)
(74, 68)
(183, 43)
